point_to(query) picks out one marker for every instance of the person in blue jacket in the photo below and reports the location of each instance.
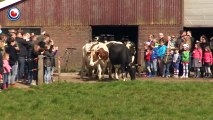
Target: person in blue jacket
(161, 51)
(154, 57)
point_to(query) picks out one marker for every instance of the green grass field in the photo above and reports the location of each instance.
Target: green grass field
(132, 100)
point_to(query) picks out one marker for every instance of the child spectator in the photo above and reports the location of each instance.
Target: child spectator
(154, 61)
(167, 60)
(185, 61)
(207, 62)
(1, 67)
(7, 70)
(53, 51)
(154, 43)
(197, 60)
(203, 44)
(147, 57)
(176, 63)
(47, 65)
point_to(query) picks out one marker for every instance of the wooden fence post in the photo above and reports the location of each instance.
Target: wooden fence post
(40, 70)
(59, 68)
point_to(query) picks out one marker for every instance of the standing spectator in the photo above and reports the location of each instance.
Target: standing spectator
(23, 44)
(0, 30)
(185, 61)
(161, 38)
(211, 47)
(154, 61)
(180, 39)
(32, 55)
(3, 37)
(149, 41)
(185, 40)
(211, 44)
(171, 42)
(197, 60)
(12, 33)
(2, 46)
(1, 65)
(47, 64)
(203, 44)
(167, 60)
(53, 51)
(7, 70)
(147, 58)
(161, 52)
(154, 43)
(12, 49)
(43, 40)
(176, 63)
(208, 62)
(189, 34)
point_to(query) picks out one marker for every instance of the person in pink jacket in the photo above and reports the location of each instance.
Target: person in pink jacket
(7, 70)
(207, 62)
(197, 60)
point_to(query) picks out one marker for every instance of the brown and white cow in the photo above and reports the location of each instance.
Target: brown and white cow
(95, 57)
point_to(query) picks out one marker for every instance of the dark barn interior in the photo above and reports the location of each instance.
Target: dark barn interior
(35, 30)
(117, 33)
(199, 31)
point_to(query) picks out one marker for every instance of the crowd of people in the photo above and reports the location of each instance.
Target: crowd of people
(178, 56)
(19, 52)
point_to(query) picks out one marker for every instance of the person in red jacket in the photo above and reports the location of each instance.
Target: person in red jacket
(197, 60)
(207, 61)
(147, 58)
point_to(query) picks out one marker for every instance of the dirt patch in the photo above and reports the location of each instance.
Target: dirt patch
(75, 78)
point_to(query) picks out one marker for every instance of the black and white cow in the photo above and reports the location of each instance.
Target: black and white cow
(120, 55)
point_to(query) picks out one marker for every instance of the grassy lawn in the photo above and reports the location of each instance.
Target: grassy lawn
(133, 100)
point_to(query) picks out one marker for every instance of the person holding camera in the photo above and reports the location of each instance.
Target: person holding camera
(12, 49)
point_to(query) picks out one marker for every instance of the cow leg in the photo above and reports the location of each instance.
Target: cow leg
(116, 73)
(133, 59)
(90, 72)
(82, 69)
(110, 70)
(99, 72)
(103, 71)
(123, 73)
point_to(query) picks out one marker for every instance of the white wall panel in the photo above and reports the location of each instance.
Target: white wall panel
(198, 13)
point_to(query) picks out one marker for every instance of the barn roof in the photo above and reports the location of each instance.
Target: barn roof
(5, 3)
(96, 12)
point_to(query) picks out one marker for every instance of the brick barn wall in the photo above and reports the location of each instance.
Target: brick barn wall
(67, 37)
(144, 32)
(77, 36)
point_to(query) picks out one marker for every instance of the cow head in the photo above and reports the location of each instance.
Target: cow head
(132, 70)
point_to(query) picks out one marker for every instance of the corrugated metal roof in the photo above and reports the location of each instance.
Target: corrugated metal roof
(96, 12)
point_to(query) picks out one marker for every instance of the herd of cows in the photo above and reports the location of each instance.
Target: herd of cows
(100, 58)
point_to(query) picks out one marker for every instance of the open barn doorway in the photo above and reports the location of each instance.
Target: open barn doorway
(199, 31)
(116, 33)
